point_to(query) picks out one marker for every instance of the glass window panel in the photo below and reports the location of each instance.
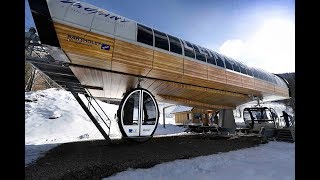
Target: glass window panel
(188, 50)
(211, 60)
(175, 45)
(236, 67)
(148, 110)
(145, 35)
(131, 110)
(228, 64)
(161, 40)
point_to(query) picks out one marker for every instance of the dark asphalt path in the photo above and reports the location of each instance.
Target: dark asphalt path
(97, 159)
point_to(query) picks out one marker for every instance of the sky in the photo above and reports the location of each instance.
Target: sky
(260, 33)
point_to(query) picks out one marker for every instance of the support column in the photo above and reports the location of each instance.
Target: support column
(226, 120)
(164, 115)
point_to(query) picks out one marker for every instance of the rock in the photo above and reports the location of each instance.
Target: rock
(55, 115)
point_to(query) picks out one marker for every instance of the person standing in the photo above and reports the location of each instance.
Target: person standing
(286, 118)
(215, 118)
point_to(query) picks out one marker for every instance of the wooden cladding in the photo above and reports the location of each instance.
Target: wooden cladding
(131, 59)
(89, 61)
(281, 91)
(233, 79)
(195, 69)
(263, 86)
(93, 50)
(166, 67)
(77, 41)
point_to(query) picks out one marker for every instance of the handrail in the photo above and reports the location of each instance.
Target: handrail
(108, 119)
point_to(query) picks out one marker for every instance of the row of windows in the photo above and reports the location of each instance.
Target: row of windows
(170, 43)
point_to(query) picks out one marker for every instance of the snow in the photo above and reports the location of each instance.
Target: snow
(275, 160)
(56, 117)
(170, 129)
(53, 116)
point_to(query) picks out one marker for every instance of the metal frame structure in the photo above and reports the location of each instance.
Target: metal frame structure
(93, 119)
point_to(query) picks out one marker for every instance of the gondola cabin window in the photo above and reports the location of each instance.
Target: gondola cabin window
(175, 45)
(145, 35)
(199, 56)
(219, 61)
(255, 73)
(211, 60)
(228, 64)
(161, 40)
(188, 50)
(236, 67)
(243, 69)
(249, 72)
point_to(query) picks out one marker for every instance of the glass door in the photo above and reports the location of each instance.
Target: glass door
(149, 114)
(139, 114)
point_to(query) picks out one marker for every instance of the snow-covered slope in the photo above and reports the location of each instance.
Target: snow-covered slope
(274, 160)
(54, 116)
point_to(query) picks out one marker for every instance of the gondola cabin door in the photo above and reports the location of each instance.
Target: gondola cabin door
(138, 114)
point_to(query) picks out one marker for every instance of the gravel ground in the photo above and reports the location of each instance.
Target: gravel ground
(97, 159)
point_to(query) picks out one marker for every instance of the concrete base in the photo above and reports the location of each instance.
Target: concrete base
(226, 120)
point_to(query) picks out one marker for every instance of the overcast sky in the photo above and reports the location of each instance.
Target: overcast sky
(260, 33)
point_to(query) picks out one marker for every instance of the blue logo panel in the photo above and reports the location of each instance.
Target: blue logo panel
(105, 47)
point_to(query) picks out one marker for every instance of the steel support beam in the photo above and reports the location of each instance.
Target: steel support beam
(93, 119)
(164, 115)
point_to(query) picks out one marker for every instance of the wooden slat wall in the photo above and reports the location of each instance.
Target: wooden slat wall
(89, 61)
(269, 87)
(106, 79)
(86, 76)
(259, 85)
(216, 77)
(188, 102)
(264, 86)
(167, 67)
(78, 52)
(233, 79)
(194, 73)
(97, 93)
(154, 86)
(200, 94)
(180, 118)
(216, 74)
(282, 91)
(121, 83)
(195, 69)
(140, 61)
(91, 77)
(247, 82)
(132, 59)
